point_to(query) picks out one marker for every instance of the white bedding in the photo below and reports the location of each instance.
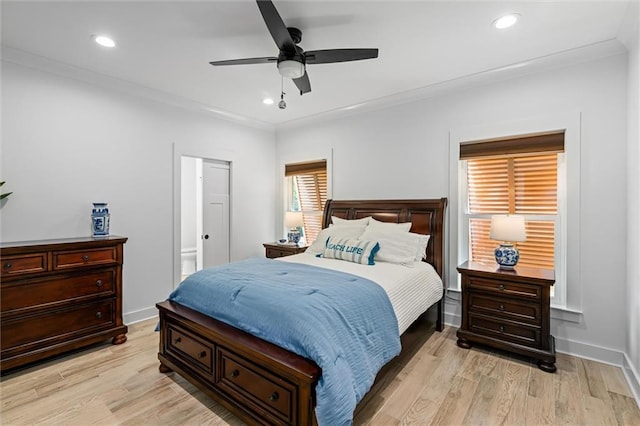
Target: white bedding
(411, 290)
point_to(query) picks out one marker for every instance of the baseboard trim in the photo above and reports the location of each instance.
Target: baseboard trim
(141, 315)
(633, 378)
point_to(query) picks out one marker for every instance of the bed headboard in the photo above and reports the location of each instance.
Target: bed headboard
(426, 216)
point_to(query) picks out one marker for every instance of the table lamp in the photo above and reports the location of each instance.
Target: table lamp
(293, 220)
(510, 229)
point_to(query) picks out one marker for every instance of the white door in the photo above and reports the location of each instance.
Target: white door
(215, 213)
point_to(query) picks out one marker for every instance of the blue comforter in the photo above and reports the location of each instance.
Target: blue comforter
(343, 322)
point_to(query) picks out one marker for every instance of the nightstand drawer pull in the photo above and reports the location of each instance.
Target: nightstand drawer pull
(98, 315)
(501, 307)
(274, 397)
(85, 258)
(501, 287)
(235, 373)
(99, 283)
(177, 340)
(202, 354)
(7, 266)
(502, 329)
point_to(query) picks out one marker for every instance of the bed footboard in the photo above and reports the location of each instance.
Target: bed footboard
(257, 381)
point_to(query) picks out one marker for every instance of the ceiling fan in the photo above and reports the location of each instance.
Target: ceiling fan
(292, 60)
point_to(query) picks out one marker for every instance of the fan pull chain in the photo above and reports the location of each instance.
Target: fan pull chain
(282, 104)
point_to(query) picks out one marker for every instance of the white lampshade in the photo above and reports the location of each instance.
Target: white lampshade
(291, 69)
(508, 228)
(293, 219)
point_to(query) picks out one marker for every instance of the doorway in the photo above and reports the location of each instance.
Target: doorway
(205, 223)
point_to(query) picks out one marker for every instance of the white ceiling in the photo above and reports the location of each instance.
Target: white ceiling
(166, 46)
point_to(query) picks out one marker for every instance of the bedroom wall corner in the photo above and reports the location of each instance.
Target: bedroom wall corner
(630, 35)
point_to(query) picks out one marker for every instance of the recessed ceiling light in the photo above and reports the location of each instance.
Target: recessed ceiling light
(267, 101)
(103, 40)
(506, 21)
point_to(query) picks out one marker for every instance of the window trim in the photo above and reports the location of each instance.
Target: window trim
(570, 122)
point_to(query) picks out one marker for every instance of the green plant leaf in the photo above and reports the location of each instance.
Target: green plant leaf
(2, 196)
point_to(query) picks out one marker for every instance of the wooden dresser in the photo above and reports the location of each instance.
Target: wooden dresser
(508, 310)
(59, 295)
(274, 250)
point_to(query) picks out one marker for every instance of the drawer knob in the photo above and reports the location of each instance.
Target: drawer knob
(502, 307)
(7, 265)
(502, 329)
(99, 283)
(235, 373)
(85, 258)
(177, 340)
(202, 354)
(501, 287)
(274, 397)
(98, 315)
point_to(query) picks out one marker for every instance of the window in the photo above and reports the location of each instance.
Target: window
(522, 175)
(306, 185)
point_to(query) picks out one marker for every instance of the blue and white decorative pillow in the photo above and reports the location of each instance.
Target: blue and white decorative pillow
(351, 250)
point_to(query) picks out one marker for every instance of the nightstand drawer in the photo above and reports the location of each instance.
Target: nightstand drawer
(511, 289)
(505, 330)
(275, 253)
(505, 307)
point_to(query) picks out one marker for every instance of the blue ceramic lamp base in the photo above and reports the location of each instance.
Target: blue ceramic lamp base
(507, 256)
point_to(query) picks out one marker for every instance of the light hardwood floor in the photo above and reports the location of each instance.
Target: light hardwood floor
(437, 384)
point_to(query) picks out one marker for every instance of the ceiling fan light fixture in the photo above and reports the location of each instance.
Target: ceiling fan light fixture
(291, 69)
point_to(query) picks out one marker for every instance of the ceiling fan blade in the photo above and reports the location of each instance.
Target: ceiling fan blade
(303, 83)
(264, 60)
(276, 26)
(339, 55)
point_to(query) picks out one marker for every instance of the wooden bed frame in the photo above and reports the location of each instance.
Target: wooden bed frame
(258, 381)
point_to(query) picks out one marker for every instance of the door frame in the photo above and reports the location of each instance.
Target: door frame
(206, 153)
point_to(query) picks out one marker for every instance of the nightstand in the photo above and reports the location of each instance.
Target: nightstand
(273, 250)
(508, 310)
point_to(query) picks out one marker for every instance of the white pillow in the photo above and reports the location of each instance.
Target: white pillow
(319, 244)
(341, 222)
(356, 251)
(398, 247)
(389, 226)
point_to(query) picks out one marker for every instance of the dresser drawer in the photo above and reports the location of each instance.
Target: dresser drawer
(505, 330)
(511, 289)
(62, 324)
(190, 348)
(23, 264)
(44, 292)
(505, 307)
(79, 258)
(250, 383)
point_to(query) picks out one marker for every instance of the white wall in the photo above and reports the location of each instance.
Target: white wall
(403, 152)
(66, 143)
